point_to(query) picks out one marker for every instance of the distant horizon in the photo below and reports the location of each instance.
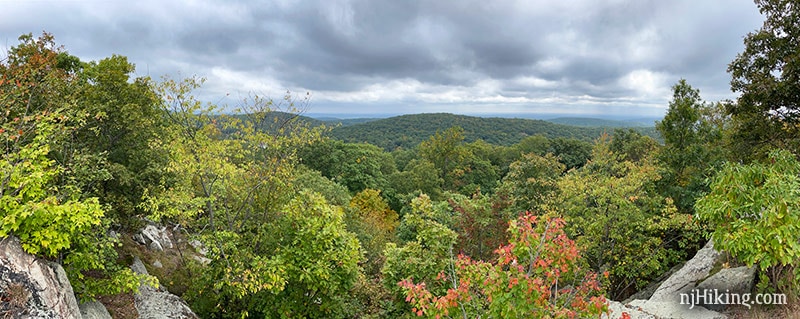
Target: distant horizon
(534, 116)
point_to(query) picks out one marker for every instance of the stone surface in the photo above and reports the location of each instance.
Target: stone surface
(673, 310)
(686, 279)
(158, 264)
(651, 288)
(155, 303)
(138, 238)
(738, 280)
(202, 260)
(156, 238)
(616, 309)
(94, 310)
(155, 246)
(138, 266)
(198, 247)
(49, 293)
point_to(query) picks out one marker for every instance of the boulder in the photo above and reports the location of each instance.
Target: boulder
(674, 310)
(138, 266)
(94, 310)
(616, 309)
(156, 238)
(41, 287)
(686, 279)
(665, 302)
(156, 303)
(738, 280)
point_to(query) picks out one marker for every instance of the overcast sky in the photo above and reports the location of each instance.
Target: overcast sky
(405, 56)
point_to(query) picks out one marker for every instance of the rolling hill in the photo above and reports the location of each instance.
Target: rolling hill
(409, 130)
(595, 122)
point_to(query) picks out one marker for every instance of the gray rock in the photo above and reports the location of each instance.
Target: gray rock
(50, 294)
(158, 264)
(155, 303)
(138, 266)
(738, 280)
(616, 309)
(138, 238)
(160, 235)
(94, 310)
(155, 246)
(673, 310)
(686, 279)
(198, 247)
(202, 260)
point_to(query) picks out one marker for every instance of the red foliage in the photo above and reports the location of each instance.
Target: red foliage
(527, 280)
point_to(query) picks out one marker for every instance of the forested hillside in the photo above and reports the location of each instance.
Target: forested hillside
(407, 131)
(433, 215)
(595, 122)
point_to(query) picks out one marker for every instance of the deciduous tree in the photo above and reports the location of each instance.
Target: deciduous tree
(767, 76)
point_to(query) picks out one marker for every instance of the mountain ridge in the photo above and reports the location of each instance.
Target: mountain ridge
(406, 131)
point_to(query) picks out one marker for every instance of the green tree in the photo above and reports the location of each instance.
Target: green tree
(532, 181)
(274, 252)
(357, 166)
(571, 152)
(374, 223)
(419, 176)
(335, 193)
(479, 172)
(426, 252)
(625, 227)
(447, 152)
(39, 203)
(312, 261)
(122, 117)
(754, 212)
(689, 152)
(632, 144)
(767, 77)
(537, 144)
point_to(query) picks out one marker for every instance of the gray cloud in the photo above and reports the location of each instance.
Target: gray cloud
(417, 55)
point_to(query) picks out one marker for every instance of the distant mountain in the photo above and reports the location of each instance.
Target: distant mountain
(409, 130)
(332, 121)
(595, 122)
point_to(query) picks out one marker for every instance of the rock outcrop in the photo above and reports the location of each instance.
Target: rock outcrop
(737, 280)
(651, 288)
(201, 250)
(155, 303)
(41, 286)
(687, 278)
(692, 278)
(616, 310)
(94, 310)
(155, 238)
(674, 310)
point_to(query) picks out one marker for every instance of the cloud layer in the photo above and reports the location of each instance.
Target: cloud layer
(387, 56)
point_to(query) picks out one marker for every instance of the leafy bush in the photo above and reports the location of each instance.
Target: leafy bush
(536, 276)
(755, 211)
